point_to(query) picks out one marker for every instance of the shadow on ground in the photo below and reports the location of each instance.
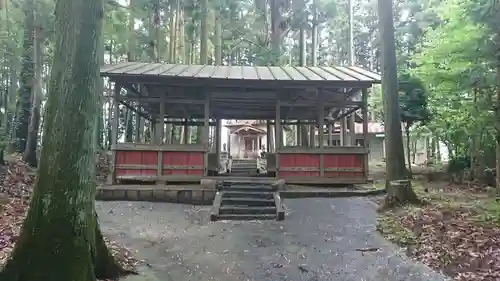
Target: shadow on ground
(320, 239)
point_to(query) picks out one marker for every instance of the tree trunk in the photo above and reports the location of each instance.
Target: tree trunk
(408, 150)
(302, 46)
(394, 152)
(30, 156)
(314, 39)
(350, 13)
(204, 33)
(395, 160)
(275, 32)
(497, 124)
(26, 81)
(182, 37)
(399, 193)
(438, 150)
(131, 32)
(218, 38)
(62, 214)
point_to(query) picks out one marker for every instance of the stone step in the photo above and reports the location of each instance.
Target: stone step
(254, 202)
(233, 169)
(248, 188)
(252, 168)
(249, 194)
(243, 173)
(247, 217)
(247, 210)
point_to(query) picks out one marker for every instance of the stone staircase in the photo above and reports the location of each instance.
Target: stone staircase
(244, 167)
(247, 201)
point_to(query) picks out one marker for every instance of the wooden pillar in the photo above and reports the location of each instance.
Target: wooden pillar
(297, 134)
(312, 135)
(321, 133)
(268, 138)
(342, 132)
(114, 133)
(352, 130)
(160, 125)
(206, 131)
(186, 132)
(137, 125)
(160, 134)
(330, 134)
(277, 132)
(365, 129)
(218, 141)
(228, 146)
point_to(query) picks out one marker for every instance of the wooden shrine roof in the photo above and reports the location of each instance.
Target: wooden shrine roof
(318, 76)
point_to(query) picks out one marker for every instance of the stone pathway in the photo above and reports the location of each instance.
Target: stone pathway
(320, 239)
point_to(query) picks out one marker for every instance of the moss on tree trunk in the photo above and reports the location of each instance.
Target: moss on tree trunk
(60, 239)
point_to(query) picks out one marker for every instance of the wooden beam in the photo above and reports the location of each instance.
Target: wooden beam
(142, 114)
(114, 132)
(218, 141)
(347, 113)
(206, 131)
(337, 103)
(158, 99)
(349, 94)
(189, 123)
(277, 137)
(365, 129)
(268, 137)
(321, 132)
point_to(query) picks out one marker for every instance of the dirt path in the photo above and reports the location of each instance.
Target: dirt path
(319, 240)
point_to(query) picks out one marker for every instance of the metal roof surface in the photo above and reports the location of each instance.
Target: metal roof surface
(265, 73)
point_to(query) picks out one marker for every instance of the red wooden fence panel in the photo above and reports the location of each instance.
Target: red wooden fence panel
(299, 164)
(183, 163)
(136, 163)
(344, 165)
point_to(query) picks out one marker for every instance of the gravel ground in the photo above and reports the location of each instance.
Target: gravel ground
(317, 241)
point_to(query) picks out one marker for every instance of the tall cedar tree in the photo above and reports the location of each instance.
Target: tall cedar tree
(60, 239)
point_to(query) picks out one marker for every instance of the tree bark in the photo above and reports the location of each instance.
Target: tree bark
(275, 32)
(131, 32)
(395, 161)
(399, 193)
(30, 156)
(204, 33)
(218, 38)
(408, 149)
(314, 39)
(497, 125)
(60, 239)
(26, 79)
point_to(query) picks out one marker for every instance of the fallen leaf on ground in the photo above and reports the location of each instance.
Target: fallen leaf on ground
(16, 190)
(455, 242)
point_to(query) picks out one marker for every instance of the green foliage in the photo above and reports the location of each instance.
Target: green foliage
(454, 65)
(412, 100)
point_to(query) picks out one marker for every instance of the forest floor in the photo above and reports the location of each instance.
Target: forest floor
(15, 195)
(455, 231)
